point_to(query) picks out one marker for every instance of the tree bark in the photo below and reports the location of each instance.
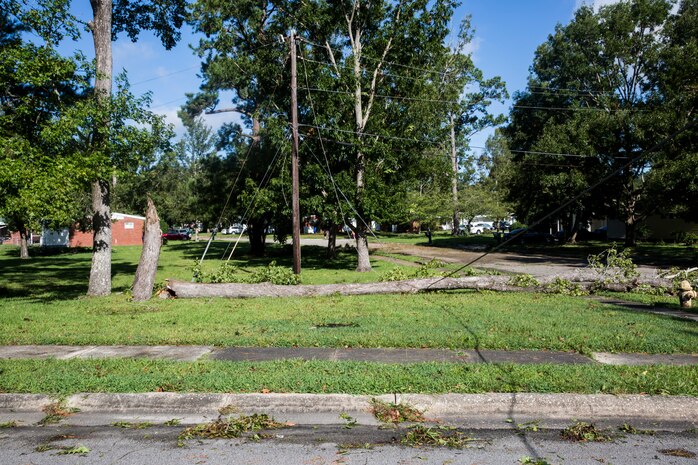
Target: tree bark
(454, 179)
(100, 273)
(23, 243)
(331, 241)
(257, 237)
(494, 283)
(148, 264)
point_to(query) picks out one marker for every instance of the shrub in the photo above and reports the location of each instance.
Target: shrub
(563, 286)
(275, 275)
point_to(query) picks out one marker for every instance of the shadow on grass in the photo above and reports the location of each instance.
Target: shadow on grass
(51, 275)
(505, 375)
(312, 256)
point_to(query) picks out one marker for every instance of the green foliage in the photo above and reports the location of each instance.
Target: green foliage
(225, 273)
(584, 432)
(229, 273)
(524, 280)
(630, 429)
(436, 436)
(584, 66)
(129, 425)
(396, 274)
(532, 461)
(686, 238)
(426, 270)
(388, 412)
(276, 275)
(564, 286)
(613, 265)
(74, 450)
(230, 428)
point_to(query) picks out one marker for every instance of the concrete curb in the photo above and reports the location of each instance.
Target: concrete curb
(469, 409)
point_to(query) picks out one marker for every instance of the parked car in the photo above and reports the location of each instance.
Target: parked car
(528, 236)
(479, 228)
(237, 228)
(176, 235)
(186, 231)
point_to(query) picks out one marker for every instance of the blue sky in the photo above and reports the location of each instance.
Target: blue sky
(506, 37)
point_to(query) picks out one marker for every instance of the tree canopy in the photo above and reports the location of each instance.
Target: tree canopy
(594, 105)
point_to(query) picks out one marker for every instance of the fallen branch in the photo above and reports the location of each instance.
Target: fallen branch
(184, 289)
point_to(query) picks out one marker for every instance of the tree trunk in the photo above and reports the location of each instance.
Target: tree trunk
(23, 243)
(100, 273)
(148, 264)
(630, 231)
(495, 283)
(454, 178)
(332, 241)
(364, 263)
(257, 237)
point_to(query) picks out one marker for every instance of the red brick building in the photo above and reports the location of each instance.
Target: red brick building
(126, 230)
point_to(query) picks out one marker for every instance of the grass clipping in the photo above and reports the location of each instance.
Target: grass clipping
(437, 436)
(231, 428)
(388, 412)
(584, 432)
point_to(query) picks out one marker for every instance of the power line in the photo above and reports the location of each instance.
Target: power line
(404, 139)
(253, 202)
(390, 97)
(391, 63)
(603, 110)
(533, 152)
(577, 91)
(381, 72)
(327, 162)
(155, 78)
(230, 194)
(432, 142)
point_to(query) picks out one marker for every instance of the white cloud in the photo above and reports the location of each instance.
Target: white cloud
(127, 54)
(596, 4)
(214, 121)
(172, 118)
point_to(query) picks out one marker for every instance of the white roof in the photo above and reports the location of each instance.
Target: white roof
(121, 216)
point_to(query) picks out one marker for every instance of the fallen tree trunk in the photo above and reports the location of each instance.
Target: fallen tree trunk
(184, 289)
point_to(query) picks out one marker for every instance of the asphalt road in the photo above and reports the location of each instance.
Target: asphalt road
(325, 445)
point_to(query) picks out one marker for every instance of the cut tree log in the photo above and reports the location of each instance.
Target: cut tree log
(184, 289)
(148, 264)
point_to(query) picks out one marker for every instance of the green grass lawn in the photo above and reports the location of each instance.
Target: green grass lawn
(66, 377)
(42, 302)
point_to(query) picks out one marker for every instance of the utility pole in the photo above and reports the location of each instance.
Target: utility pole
(294, 160)
(454, 179)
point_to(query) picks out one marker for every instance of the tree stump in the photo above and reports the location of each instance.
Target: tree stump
(148, 264)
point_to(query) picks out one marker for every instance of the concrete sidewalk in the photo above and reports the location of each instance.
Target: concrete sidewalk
(257, 354)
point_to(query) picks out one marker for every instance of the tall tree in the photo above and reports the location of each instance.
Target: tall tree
(673, 181)
(54, 21)
(131, 16)
(38, 186)
(589, 99)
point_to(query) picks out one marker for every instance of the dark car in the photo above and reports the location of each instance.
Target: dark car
(528, 236)
(176, 235)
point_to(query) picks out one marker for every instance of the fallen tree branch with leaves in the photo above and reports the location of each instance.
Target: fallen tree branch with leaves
(560, 284)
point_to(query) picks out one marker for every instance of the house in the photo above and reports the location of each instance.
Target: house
(126, 230)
